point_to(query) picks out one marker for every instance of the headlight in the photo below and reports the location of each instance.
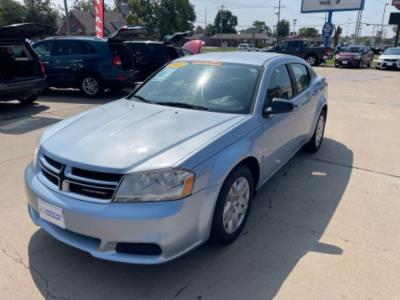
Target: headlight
(357, 56)
(159, 185)
(337, 56)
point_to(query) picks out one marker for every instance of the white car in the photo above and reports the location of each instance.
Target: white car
(389, 59)
(247, 47)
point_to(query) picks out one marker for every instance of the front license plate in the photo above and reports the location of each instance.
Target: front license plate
(344, 62)
(389, 64)
(51, 213)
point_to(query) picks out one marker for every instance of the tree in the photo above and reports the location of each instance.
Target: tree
(308, 31)
(199, 30)
(162, 17)
(83, 5)
(338, 32)
(262, 27)
(283, 28)
(11, 12)
(225, 22)
(43, 12)
(209, 30)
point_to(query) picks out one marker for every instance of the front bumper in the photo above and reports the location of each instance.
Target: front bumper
(175, 226)
(350, 62)
(388, 65)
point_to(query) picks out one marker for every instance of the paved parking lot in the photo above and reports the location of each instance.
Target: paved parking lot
(325, 227)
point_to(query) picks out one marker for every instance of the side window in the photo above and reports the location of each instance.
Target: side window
(301, 76)
(76, 48)
(43, 49)
(60, 48)
(283, 45)
(280, 85)
(294, 44)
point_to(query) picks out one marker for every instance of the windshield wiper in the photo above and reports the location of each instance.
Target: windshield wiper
(142, 99)
(182, 105)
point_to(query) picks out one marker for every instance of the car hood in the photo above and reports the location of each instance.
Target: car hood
(348, 54)
(383, 56)
(126, 136)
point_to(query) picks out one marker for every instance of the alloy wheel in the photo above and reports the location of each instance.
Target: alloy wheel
(90, 86)
(236, 205)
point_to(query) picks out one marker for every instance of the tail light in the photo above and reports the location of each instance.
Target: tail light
(116, 61)
(42, 69)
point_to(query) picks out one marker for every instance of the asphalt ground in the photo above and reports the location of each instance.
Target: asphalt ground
(325, 227)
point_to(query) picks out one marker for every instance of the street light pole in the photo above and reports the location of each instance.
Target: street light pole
(279, 19)
(383, 19)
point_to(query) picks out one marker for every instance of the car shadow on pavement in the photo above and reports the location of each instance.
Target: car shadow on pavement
(14, 109)
(289, 217)
(75, 96)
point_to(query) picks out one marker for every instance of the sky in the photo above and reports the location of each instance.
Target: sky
(264, 10)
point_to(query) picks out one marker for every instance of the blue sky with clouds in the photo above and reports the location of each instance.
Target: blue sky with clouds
(250, 10)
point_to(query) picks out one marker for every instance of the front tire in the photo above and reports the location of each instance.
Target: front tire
(315, 143)
(233, 206)
(91, 86)
(28, 100)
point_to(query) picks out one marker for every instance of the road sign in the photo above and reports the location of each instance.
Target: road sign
(327, 29)
(313, 6)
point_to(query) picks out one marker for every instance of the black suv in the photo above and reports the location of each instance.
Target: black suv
(21, 74)
(149, 56)
(88, 63)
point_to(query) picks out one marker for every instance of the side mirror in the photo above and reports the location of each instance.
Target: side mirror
(278, 106)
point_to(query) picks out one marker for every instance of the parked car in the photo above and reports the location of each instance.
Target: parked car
(88, 63)
(152, 55)
(247, 47)
(305, 49)
(149, 177)
(22, 76)
(354, 56)
(390, 59)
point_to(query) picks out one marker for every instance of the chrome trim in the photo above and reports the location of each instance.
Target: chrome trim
(49, 167)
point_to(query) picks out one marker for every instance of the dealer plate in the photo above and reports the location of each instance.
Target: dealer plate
(51, 213)
(344, 62)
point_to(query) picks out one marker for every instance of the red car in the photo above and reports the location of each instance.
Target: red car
(354, 56)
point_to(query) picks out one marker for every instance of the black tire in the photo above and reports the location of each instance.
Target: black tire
(315, 143)
(359, 65)
(28, 100)
(337, 66)
(312, 59)
(219, 234)
(91, 85)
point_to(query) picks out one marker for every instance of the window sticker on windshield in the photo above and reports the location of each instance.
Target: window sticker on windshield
(178, 64)
(163, 74)
(210, 63)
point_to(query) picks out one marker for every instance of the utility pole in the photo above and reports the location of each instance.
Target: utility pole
(358, 26)
(67, 17)
(279, 19)
(205, 18)
(294, 26)
(220, 27)
(383, 19)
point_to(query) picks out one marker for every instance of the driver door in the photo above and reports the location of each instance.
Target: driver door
(282, 133)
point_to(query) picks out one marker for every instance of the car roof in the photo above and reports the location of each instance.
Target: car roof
(144, 42)
(250, 58)
(78, 37)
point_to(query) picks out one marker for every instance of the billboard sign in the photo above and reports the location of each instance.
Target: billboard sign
(99, 17)
(313, 6)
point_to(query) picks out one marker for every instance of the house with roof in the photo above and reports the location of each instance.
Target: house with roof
(83, 23)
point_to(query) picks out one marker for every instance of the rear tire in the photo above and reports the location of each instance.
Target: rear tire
(312, 59)
(233, 206)
(316, 141)
(91, 85)
(28, 100)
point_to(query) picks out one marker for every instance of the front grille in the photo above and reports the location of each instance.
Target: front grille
(391, 60)
(85, 184)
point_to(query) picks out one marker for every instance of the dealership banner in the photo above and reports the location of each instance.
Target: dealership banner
(99, 17)
(311, 6)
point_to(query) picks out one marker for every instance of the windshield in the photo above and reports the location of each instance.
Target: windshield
(392, 51)
(352, 49)
(207, 85)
